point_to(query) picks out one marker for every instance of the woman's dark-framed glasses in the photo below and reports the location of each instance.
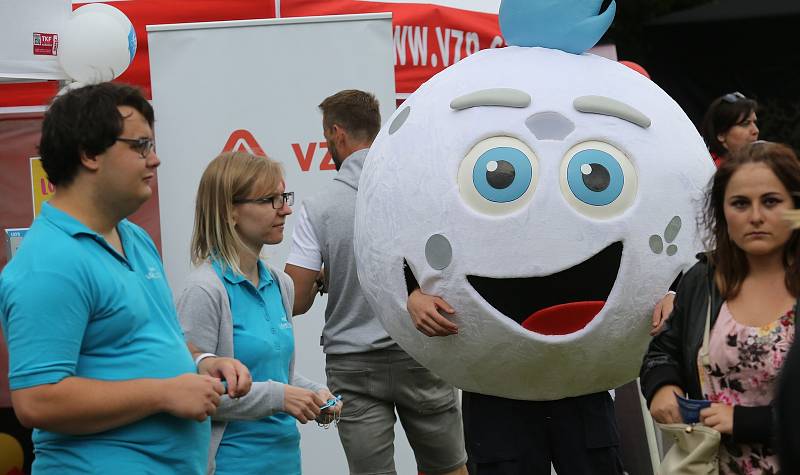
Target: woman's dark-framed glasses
(142, 146)
(732, 97)
(277, 200)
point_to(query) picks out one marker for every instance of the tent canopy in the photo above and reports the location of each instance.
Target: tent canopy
(731, 45)
(731, 10)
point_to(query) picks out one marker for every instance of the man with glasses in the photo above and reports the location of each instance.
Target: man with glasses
(372, 374)
(97, 361)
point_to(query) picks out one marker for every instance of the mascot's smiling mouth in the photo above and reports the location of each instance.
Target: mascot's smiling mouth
(557, 304)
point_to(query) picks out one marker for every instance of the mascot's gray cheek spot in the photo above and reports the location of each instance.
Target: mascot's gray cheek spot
(673, 228)
(438, 252)
(656, 245)
(670, 233)
(399, 120)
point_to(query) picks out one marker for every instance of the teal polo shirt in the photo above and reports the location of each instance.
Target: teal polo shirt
(264, 342)
(71, 305)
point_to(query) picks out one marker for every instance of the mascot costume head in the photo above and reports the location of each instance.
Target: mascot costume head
(549, 195)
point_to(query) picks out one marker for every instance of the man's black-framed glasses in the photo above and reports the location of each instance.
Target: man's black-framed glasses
(277, 200)
(142, 146)
(732, 97)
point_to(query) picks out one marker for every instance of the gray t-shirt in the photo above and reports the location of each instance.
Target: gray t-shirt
(327, 236)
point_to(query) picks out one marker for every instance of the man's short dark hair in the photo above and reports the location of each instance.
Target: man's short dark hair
(85, 120)
(356, 111)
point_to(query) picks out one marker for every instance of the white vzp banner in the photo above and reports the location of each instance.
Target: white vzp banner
(257, 84)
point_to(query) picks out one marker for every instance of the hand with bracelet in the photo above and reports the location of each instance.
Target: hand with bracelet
(232, 371)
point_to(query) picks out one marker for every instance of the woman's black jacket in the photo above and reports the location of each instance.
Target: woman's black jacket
(672, 355)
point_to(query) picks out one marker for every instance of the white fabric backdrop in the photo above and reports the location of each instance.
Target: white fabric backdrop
(18, 23)
(265, 77)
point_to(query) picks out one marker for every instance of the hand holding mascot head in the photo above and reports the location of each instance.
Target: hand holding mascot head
(547, 194)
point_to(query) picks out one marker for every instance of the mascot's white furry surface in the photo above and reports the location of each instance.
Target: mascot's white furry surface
(549, 195)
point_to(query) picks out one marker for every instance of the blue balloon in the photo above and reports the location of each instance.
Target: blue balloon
(573, 26)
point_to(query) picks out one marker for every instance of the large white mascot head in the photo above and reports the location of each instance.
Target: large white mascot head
(550, 196)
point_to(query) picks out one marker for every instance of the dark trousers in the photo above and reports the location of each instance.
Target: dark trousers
(509, 437)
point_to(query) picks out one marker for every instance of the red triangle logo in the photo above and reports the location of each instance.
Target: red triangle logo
(243, 140)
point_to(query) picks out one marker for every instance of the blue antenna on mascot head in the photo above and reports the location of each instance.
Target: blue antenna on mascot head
(573, 26)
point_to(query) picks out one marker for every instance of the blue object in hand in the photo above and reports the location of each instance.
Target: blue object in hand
(690, 408)
(331, 402)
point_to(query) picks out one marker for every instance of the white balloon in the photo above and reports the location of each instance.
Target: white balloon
(94, 48)
(103, 8)
(117, 14)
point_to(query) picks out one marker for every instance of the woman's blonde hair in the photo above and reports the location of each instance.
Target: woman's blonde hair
(230, 176)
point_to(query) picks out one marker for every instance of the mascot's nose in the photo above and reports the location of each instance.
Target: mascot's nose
(549, 125)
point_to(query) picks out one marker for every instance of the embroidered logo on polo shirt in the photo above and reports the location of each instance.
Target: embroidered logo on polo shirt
(153, 273)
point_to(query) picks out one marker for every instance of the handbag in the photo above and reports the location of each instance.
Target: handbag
(694, 451)
(695, 448)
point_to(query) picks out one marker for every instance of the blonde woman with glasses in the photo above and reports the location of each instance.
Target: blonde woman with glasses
(235, 304)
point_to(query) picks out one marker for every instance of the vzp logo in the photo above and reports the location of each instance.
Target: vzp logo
(243, 141)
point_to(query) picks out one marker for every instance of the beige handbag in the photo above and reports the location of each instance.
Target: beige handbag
(695, 450)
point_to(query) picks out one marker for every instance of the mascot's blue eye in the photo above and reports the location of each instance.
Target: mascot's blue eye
(595, 177)
(598, 179)
(498, 176)
(502, 174)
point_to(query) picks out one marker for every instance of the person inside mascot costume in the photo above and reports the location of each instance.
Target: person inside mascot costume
(549, 196)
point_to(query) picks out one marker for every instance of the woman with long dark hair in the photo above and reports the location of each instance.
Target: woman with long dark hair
(751, 277)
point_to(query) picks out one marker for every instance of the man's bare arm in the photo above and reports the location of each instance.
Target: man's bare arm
(305, 288)
(85, 406)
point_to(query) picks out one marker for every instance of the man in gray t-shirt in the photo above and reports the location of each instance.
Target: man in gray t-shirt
(372, 373)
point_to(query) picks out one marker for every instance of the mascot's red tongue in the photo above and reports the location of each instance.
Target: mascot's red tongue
(563, 319)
